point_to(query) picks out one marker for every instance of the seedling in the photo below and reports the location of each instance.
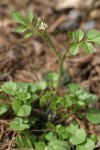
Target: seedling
(77, 39)
(31, 107)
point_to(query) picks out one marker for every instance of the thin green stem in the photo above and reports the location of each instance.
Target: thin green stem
(59, 77)
(53, 47)
(60, 71)
(61, 62)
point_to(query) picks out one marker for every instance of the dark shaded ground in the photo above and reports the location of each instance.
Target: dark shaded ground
(27, 59)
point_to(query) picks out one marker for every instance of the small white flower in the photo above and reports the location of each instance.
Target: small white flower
(43, 26)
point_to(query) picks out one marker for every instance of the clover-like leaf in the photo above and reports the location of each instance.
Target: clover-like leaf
(73, 87)
(56, 144)
(79, 137)
(24, 111)
(50, 136)
(20, 109)
(88, 145)
(22, 96)
(18, 125)
(40, 145)
(51, 78)
(9, 88)
(3, 107)
(93, 116)
(71, 129)
(62, 132)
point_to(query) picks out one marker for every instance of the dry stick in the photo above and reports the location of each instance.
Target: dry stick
(11, 141)
(43, 130)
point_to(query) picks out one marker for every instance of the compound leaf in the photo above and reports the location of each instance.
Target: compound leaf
(30, 17)
(74, 49)
(19, 18)
(87, 47)
(93, 116)
(79, 35)
(79, 137)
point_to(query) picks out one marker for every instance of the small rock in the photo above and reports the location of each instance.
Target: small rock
(89, 25)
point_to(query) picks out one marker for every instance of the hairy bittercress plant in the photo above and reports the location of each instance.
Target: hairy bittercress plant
(33, 103)
(76, 39)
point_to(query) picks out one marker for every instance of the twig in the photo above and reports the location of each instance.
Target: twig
(43, 130)
(11, 141)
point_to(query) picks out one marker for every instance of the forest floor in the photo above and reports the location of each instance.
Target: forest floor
(27, 60)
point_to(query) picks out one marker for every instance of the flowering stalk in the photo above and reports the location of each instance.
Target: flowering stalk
(43, 27)
(76, 39)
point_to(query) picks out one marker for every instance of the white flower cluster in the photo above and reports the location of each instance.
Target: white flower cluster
(43, 26)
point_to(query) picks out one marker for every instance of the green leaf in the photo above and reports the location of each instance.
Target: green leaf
(79, 137)
(93, 116)
(20, 109)
(74, 49)
(21, 29)
(41, 85)
(62, 132)
(24, 111)
(88, 145)
(33, 98)
(56, 144)
(38, 21)
(29, 34)
(16, 105)
(70, 34)
(44, 98)
(51, 78)
(9, 88)
(73, 87)
(87, 47)
(50, 136)
(18, 125)
(94, 137)
(90, 98)
(0, 89)
(55, 102)
(22, 96)
(3, 107)
(72, 129)
(40, 146)
(25, 140)
(22, 86)
(30, 17)
(92, 34)
(79, 35)
(19, 18)
(97, 40)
